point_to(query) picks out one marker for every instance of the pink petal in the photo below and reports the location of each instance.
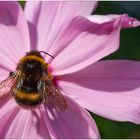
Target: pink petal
(75, 122)
(14, 41)
(7, 110)
(6, 104)
(84, 42)
(21, 123)
(4, 73)
(50, 17)
(4, 98)
(108, 88)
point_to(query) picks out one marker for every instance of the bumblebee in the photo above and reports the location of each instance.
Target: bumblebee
(31, 84)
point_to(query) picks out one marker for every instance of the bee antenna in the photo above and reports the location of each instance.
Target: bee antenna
(47, 54)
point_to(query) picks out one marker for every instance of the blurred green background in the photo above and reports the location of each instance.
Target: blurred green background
(129, 49)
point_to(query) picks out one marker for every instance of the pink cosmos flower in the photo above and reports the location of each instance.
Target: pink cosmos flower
(77, 41)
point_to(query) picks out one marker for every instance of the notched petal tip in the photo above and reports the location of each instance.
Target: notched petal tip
(128, 22)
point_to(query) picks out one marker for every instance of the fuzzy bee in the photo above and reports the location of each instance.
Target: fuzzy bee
(30, 84)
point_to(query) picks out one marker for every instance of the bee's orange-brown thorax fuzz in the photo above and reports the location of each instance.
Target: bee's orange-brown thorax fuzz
(33, 57)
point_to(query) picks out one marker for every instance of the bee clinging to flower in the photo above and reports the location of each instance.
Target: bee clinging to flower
(31, 84)
(44, 98)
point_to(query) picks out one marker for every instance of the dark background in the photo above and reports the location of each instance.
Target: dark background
(129, 49)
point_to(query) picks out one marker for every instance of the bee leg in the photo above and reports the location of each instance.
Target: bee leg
(11, 73)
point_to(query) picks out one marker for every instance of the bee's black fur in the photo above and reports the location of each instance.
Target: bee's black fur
(32, 72)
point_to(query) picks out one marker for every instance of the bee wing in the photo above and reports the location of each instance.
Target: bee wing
(54, 97)
(7, 84)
